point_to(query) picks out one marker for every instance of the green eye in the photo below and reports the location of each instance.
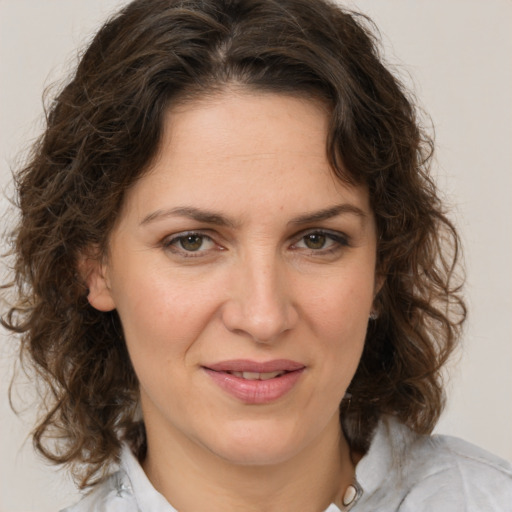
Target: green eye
(315, 240)
(191, 242)
(322, 242)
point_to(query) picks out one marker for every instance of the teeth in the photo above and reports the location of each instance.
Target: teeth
(251, 375)
(269, 375)
(256, 375)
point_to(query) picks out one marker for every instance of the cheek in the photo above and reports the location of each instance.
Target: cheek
(342, 305)
(163, 314)
(339, 317)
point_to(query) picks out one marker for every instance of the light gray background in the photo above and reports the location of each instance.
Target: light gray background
(457, 56)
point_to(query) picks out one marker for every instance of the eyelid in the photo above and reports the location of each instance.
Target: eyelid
(170, 243)
(339, 237)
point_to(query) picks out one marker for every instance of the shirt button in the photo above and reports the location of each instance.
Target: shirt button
(349, 496)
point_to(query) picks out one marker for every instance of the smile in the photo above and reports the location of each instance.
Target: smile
(255, 383)
(256, 375)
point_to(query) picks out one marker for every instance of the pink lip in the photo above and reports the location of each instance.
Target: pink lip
(246, 365)
(255, 391)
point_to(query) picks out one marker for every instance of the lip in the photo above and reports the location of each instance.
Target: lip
(247, 365)
(255, 391)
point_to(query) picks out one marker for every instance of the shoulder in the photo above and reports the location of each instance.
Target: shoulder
(112, 495)
(440, 473)
(127, 490)
(449, 470)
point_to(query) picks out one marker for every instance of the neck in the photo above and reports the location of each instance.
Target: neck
(193, 478)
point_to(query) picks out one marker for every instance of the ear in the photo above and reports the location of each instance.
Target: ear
(379, 283)
(95, 275)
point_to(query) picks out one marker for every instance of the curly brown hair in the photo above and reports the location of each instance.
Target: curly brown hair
(103, 130)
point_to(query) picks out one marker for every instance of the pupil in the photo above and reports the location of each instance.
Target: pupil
(191, 242)
(315, 241)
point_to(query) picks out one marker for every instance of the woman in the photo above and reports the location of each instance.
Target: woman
(234, 273)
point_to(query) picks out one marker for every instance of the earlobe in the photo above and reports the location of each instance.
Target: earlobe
(95, 275)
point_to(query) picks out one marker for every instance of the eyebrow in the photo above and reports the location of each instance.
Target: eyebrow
(206, 216)
(211, 217)
(328, 213)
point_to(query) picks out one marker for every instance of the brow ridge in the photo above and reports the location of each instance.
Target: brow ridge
(215, 218)
(328, 213)
(206, 216)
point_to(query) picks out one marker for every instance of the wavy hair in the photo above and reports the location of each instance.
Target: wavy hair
(102, 132)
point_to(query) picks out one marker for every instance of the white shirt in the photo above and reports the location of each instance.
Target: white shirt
(402, 472)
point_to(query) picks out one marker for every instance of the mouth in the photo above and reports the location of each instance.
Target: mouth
(251, 368)
(256, 382)
(257, 375)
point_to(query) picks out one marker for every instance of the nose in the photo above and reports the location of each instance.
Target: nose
(261, 303)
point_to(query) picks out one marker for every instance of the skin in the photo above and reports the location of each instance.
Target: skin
(263, 284)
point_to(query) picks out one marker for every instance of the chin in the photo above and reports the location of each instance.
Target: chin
(257, 445)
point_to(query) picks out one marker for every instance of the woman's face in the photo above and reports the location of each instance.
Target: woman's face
(243, 272)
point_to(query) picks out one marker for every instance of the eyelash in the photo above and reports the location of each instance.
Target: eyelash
(171, 243)
(340, 240)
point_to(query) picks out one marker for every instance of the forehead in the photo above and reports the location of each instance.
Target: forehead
(260, 147)
(238, 125)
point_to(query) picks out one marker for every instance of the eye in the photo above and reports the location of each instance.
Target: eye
(321, 241)
(189, 243)
(315, 240)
